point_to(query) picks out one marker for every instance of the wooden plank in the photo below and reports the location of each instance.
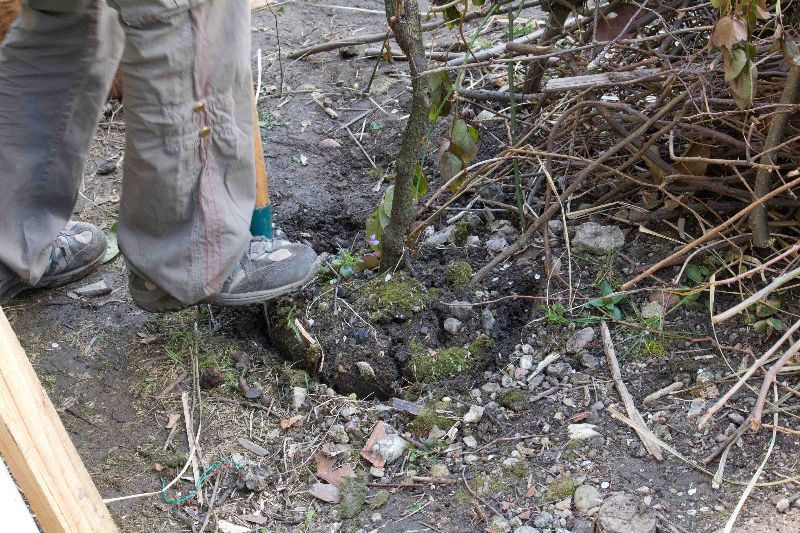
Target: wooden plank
(16, 515)
(39, 452)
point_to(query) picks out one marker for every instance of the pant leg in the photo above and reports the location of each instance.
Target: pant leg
(189, 187)
(55, 71)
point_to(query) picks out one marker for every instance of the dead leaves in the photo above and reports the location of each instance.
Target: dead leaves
(728, 31)
(286, 423)
(366, 452)
(329, 492)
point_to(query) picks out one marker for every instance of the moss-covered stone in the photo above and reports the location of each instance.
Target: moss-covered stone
(396, 298)
(352, 495)
(294, 377)
(518, 470)
(428, 366)
(428, 417)
(559, 489)
(460, 233)
(511, 398)
(379, 499)
(458, 275)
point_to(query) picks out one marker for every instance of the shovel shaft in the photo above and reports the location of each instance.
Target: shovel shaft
(261, 224)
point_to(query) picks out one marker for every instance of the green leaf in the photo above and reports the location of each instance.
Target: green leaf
(605, 288)
(693, 273)
(112, 250)
(385, 209)
(440, 89)
(776, 323)
(616, 313)
(735, 61)
(449, 166)
(462, 141)
(452, 15)
(420, 182)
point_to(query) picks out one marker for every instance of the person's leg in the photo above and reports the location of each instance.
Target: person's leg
(189, 186)
(189, 176)
(56, 66)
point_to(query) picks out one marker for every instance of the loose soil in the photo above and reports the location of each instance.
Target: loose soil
(108, 366)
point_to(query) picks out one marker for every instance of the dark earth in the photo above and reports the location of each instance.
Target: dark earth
(111, 369)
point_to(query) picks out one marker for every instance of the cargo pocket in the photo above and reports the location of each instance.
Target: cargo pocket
(138, 13)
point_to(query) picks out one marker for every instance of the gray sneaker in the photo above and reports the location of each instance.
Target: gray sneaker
(77, 251)
(267, 270)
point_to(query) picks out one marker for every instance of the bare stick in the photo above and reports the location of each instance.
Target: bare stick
(666, 391)
(187, 415)
(744, 304)
(750, 371)
(627, 399)
(758, 409)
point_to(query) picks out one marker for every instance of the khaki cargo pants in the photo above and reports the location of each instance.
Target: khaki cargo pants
(189, 186)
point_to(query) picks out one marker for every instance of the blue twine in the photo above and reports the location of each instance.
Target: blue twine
(199, 483)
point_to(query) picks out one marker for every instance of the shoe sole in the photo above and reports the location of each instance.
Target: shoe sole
(259, 297)
(56, 281)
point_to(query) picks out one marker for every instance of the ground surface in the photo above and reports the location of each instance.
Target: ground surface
(112, 370)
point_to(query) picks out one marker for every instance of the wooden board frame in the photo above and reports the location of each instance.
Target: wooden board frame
(39, 452)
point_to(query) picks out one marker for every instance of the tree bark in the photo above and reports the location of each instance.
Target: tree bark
(758, 218)
(558, 11)
(404, 21)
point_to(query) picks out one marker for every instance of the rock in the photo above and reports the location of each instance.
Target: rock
(621, 513)
(405, 406)
(490, 387)
(474, 414)
(375, 471)
(376, 517)
(652, 310)
(439, 471)
(582, 431)
(353, 494)
(488, 320)
(579, 340)
(211, 378)
(98, 288)
(559, 369)
(582, 525)
(565, 504)
(544, 520)
(440, 237)
(526, 361)
(470, 442)
(587, 497)
(485, 115)
(499, 525)
(597, 239)
(390, 447)
(338, 434)
(782, 505)
(473, 240)
(453, 325)
(497, 244)
(379, 500)
(526, 529)
(461, 310)
(348, 52)
(696, 407)
(252, 447)
(330, 143)
(588, 360)
(365, 370)
(299, 395)
(229, 527)
(253, 478)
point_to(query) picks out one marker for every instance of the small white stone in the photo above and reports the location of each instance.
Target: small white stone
(474, 414)
(470, 442)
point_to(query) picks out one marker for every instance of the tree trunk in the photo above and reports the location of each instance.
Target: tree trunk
(404, 21)
(758, 218)
(558, 11)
